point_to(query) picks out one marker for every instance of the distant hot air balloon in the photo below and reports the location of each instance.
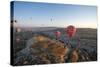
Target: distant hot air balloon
(70, 30)
(57, 34)
(51, 19)
(15, 21)
(18, 30)
(17, 40)
(30, 18)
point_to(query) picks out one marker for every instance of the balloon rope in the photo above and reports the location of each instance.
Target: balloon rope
(69, 45)
(78, 43)
(57, 38)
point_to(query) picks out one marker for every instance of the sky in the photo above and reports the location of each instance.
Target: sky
(33, 14)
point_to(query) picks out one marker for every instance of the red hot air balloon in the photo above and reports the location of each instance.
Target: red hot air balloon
(57, 34)
(71, 30)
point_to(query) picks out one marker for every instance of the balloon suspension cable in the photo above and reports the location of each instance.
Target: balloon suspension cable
(56, 38)
(78, 44)
(68, 43)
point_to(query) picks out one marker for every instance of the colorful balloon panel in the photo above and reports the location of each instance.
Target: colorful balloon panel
(71, 30)
(57, 33)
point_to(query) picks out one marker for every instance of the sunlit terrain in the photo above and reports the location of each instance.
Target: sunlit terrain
(30, 43)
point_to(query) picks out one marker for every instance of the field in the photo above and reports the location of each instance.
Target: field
(40, 46)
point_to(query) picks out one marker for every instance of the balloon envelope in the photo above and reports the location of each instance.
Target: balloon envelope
(71, 30)
(18, 30)
(57, 33)
(17, 39)
(15, 21)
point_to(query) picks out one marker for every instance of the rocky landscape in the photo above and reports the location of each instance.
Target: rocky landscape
(32, 46)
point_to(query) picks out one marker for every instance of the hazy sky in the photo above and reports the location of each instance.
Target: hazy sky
(56, 15)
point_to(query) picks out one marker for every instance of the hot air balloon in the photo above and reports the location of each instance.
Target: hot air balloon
(18, 30)
(71, 30)
(51, 19)
(15, 21)
(17, 40)
(57, 34)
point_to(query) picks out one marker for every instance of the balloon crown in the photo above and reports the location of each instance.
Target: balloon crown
(70, 30)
